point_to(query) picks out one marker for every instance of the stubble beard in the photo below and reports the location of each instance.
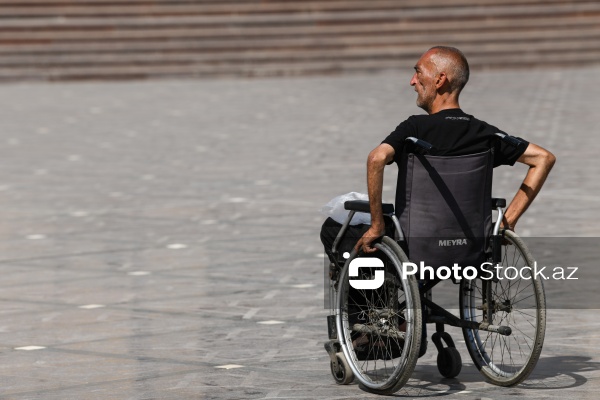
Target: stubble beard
(424, 101)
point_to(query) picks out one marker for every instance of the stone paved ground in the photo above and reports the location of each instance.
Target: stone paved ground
(154, 235)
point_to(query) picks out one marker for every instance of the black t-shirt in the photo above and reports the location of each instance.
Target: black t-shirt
(454, 133)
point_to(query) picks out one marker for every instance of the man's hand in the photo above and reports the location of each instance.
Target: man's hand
(507, 225)
(365, 243)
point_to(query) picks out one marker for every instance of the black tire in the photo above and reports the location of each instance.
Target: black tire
(343, 374)
(370, 323)
(519, 304)
(449, 362)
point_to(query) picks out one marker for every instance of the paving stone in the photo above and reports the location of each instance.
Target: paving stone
(113, 178)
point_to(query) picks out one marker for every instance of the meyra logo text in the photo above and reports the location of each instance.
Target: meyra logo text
(453, 242)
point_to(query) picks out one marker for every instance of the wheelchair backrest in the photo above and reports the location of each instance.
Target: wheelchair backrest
(444, 207)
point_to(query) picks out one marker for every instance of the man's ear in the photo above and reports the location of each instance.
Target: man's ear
(441, 80)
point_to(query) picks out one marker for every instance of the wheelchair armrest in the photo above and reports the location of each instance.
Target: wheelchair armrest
(363, 206)
(498, 203)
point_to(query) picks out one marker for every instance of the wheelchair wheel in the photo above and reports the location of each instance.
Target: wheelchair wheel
(380, 329)
(342, 374)
(449, 362)
(518, 303)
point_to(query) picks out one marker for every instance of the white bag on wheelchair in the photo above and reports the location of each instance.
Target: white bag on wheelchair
(335, 209)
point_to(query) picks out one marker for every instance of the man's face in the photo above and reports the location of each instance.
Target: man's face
(424, 82)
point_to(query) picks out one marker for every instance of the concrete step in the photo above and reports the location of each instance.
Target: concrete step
(219, 47)
(365, 51)
(167, 30)
(279, 69)
(443, 12)
(109, 8)
(119, 39)
(233, 3)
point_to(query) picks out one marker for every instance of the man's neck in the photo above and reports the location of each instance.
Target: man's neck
(443, 103)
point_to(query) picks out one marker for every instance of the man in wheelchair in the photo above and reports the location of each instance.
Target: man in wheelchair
(442, 215)
(440, 75)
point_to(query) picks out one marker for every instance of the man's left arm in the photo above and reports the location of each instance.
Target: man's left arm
(540, 162)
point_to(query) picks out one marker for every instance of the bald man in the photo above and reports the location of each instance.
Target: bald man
(440, 75)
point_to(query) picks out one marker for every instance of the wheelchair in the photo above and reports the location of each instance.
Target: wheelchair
(376, 333)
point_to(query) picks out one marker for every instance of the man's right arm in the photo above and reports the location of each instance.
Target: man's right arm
(376, 162)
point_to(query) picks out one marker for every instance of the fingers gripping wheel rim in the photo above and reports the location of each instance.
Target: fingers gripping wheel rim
(380, 329)
(517, 303)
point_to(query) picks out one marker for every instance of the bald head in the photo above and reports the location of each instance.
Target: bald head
(453, 63)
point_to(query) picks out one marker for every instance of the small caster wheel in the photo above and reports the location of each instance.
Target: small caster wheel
(342, 374)
(449, 362)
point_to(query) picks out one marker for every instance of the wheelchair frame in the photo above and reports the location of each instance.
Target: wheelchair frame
(486, 308)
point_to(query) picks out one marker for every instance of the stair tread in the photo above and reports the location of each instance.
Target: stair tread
(106, 39)
(434, 13)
